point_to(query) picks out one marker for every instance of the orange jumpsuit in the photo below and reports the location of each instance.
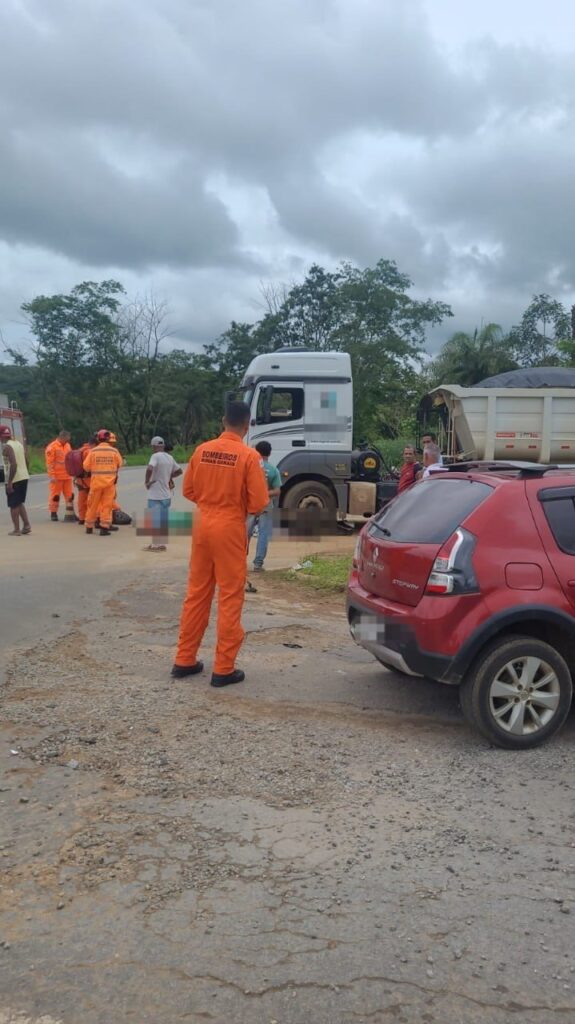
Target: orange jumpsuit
(225, 479)
(83, 486)
(102, 463)
(60, 480)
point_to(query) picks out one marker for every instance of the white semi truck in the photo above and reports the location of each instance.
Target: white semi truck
(302, 403)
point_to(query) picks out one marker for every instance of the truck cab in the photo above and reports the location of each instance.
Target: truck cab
(302, 403)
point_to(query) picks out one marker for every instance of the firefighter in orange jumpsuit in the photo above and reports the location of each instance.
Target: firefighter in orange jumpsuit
(102, 463)
(226, 480)
(60, 481)
(83, 482)
(115, 507)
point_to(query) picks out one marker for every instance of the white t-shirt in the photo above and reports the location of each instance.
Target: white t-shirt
(436, 467)
(163, 465)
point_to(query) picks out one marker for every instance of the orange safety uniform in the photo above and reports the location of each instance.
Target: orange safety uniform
(83, 486)
(102, 463)
(225, 479)
(115, 507)
(60, 480)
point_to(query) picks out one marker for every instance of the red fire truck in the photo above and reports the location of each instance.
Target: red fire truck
(11, 417)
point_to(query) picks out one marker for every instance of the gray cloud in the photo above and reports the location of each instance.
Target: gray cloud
(199, 146)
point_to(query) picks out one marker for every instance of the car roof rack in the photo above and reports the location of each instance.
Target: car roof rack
(525, 469)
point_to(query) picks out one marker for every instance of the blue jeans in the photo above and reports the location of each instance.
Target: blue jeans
(265, 526)
(159, 507)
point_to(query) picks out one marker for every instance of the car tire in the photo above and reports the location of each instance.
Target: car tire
(518, 693)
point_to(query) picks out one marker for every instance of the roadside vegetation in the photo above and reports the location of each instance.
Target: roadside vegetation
(322, 572)
(98, 360)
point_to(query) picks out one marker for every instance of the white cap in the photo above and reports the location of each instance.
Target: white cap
(157, 441)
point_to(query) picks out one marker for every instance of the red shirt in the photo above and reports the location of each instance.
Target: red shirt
(407, 476)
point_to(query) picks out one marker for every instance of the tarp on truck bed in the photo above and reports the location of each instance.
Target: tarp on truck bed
(532, 377)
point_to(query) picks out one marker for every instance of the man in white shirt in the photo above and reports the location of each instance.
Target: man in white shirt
(160, 473)
(432, 461)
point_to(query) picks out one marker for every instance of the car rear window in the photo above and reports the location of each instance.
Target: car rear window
(559, 507)
(429, 512)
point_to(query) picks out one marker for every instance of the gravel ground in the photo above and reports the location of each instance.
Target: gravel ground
(326, 843)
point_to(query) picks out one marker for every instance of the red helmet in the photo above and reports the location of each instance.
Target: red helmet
(103, 435)
(5, 433)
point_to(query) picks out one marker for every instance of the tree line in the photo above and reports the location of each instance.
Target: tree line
(99, 359)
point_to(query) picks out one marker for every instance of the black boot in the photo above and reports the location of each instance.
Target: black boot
(180, 671)
(233, 677)
(89, 529)
(104, 532)
(54, 517)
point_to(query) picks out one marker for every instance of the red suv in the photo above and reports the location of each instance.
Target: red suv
(469, 578)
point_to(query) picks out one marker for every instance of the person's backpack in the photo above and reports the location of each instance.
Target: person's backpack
(74, 462)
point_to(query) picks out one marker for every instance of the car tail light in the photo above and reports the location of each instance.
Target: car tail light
(453, 571)
(357, 552)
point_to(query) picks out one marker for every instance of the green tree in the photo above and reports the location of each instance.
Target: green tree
(539, 338)
(76, 346)
(466, 359)
(367, 313)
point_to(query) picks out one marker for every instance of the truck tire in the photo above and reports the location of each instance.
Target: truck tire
(310, 494)
(518, 693)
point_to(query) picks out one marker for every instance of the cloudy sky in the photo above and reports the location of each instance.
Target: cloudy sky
(200, 148)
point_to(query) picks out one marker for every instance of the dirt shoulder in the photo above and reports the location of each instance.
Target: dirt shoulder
(321, 843)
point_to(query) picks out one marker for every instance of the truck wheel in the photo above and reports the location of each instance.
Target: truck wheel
(310, 509)
(310, 494)
(518, 693)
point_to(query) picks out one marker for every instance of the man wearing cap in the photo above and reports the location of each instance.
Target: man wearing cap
(160, 472)
(16, 478)
(103, 463)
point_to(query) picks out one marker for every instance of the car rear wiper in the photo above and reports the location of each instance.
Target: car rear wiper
(383, 529)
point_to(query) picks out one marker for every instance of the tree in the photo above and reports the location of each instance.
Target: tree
(545, 327)
(100, 361)
(466, 359)
(369, 314)
(76, 346)
(133, 382)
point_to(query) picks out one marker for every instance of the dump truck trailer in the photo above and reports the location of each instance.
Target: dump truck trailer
(529, 424)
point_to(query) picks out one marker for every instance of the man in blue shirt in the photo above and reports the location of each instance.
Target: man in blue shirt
(264, 521)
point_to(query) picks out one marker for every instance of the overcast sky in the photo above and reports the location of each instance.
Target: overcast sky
(201, 147)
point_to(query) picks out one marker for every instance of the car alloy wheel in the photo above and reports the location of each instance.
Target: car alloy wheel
(524, 695)
(517, 691)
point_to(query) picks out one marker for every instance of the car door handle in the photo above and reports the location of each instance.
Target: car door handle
(298, 444)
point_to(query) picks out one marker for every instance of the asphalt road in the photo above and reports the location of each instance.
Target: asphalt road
(131, 492)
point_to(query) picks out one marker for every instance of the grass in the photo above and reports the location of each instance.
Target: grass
(142, 456)
(36, 460)
(139, 458)
(328, 573)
